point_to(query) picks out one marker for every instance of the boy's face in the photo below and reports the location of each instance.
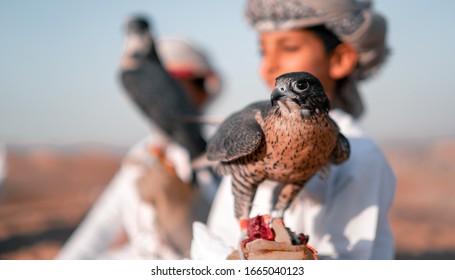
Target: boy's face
(293, 51)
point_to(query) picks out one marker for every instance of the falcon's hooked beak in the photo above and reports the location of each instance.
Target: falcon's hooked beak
(281, 92)
(277, 94)
(137, 25)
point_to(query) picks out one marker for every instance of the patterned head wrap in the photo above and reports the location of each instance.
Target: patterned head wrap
(352, 21)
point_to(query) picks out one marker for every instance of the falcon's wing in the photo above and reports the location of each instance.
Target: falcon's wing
(342, 149)
(163, 101)
(238, 135)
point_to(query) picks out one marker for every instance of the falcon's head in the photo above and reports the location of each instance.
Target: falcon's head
(138, 42)
(302, 91)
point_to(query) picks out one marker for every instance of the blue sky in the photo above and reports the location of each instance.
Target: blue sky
(59, 59)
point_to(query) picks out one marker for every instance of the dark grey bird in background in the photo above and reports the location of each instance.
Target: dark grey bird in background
(161, 99)
(286, 140)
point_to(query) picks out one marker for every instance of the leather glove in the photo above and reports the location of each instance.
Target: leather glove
(280, 248)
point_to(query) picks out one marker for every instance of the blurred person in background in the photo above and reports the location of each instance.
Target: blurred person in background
(342, 42)
(148, 207)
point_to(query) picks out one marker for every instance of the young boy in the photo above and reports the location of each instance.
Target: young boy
(340, 42)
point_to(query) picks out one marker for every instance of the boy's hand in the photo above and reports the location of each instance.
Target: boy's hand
(173, 201)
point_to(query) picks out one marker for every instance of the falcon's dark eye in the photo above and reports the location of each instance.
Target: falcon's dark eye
(300, 86)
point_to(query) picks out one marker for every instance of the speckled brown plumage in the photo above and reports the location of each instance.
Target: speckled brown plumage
(286, 140)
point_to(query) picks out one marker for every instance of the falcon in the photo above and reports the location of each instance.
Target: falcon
(286, 140)
(160, 98)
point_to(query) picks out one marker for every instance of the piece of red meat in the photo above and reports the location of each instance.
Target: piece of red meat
(258, 228)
